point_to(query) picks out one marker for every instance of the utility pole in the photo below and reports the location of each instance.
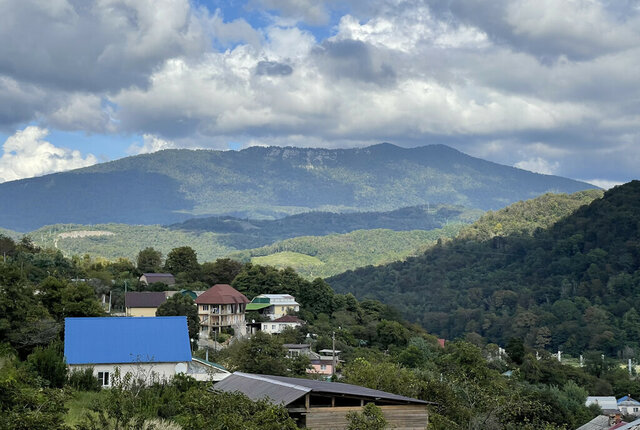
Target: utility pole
(333, 355)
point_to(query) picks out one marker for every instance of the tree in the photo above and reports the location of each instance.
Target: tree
(7, 247)
(182, 305)
(78, 300)
(317, 297)
(149, 260)
(515, 350)
(183, 262)
(371, 418)
(221, 271)
(50, 364)
(262, 354)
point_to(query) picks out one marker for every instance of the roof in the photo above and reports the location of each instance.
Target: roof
(601, 422)
(276, 299)
(605, 402)
(288, 319)
(257, 306)
(285, 390)
(627, 401)
(144, 299)
(633, 425)
(297, 346)
(210, 363)
(126, 340)
(221, 294)
(166, 278)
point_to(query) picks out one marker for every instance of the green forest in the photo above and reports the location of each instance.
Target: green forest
(571, 285)
(465, 380)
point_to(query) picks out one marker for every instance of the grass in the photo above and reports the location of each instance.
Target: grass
(79, 405)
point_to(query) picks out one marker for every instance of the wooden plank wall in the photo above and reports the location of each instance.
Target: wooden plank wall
(401, 417)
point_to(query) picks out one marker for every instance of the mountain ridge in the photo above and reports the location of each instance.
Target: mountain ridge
(268, 182)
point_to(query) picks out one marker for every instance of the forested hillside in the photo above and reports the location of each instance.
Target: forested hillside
(323, 256)
(216, 237)
(574, 286)
(173, 185)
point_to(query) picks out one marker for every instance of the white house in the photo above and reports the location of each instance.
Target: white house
(278, 325)
(150, 349)
(628, 405)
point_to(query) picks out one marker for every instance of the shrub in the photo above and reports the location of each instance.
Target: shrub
(83, 380)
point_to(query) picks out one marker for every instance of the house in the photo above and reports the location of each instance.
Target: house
(219, 307)
(150, 349)
(193, 294)
(204, 370)
(324, 362)
(273, 306)
(152, 278)
(603, 422)
(279, 324)
(628, 405)
(143, 303)
(608, 404)
(324, 405)
(297, 349)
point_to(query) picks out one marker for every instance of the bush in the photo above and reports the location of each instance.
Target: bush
(50, 364)
(83, 380)
(228, 330)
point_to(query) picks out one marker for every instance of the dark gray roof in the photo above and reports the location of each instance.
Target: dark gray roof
(285, 390)
(144, 299)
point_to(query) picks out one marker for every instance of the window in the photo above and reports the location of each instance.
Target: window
(635, 409)
(323, 367)
(273, 326)
(103, 377)
(205, 307)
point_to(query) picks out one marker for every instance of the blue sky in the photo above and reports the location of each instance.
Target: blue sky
(539, 84)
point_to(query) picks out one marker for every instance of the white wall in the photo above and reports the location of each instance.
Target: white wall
(146, 372)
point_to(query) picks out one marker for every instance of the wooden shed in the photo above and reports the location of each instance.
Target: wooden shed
(324, 405)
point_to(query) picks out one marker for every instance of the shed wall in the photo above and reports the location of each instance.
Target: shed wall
(401, 417)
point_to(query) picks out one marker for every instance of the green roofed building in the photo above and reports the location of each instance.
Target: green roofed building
(273, 306)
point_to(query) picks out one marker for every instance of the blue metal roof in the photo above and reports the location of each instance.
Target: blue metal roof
(126, 340)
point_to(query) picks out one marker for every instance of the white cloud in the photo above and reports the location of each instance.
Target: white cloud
(150, 143)
(538, 165)
(603, 183)
(27, 154)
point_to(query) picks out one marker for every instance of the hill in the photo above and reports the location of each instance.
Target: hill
(173, 185)
(323, 256)
(215, 237)
(573, 286)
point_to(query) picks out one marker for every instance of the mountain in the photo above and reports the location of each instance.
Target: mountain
(173, 185)
(573, 285)
(323, 256)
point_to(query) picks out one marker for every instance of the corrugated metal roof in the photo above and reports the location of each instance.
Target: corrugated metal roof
(633, 425)
(126, 340)
(601, 422)
(166, 278)
(605, 402)
(627, 401)
(282, 389)
(144, 299)
(221, 294)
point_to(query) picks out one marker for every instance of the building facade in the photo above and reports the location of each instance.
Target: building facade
(274, 306)
(219, 307)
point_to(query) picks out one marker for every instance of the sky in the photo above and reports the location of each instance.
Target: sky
(551, 86)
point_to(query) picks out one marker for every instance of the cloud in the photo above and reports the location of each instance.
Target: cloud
(603, 183)
(150, 143)
(538, 165)
(312, 12)
(273, 68)
(27, 154)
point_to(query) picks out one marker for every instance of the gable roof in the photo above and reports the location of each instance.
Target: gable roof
(221, 294)
(144, 299)
(606, 403)
(285, 390)
(288, 319)
(166, 278)
(627, 401)
(111, 340)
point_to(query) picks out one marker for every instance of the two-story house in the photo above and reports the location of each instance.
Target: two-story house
(219, 307)
(274, 306)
